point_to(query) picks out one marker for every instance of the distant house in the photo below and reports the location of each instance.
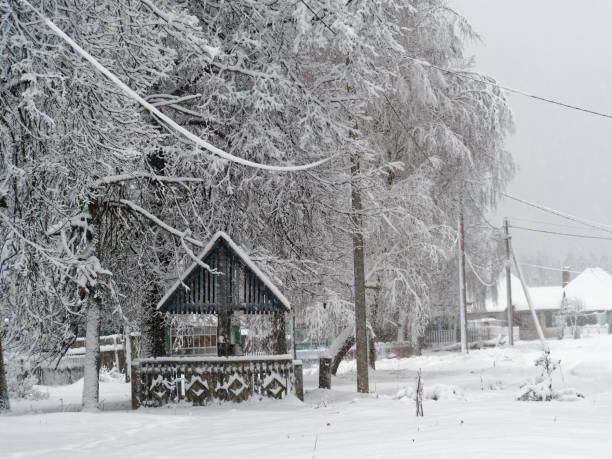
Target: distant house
(546, 302)
(591, 293)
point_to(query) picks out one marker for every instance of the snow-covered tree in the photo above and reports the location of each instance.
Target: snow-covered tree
(102, 204)
(567, 317)
(78, 154)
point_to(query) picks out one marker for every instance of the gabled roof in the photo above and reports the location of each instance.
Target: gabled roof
(592, 288)
(245, 259)
(543, 298)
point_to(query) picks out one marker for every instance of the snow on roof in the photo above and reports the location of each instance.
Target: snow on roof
(243, 256)
(592, 288)
(543, 298)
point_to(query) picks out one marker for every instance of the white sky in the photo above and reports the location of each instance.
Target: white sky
(560, 49)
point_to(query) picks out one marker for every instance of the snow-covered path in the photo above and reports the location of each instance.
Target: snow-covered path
(466, 421)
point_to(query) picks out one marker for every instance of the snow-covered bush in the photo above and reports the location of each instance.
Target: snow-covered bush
(21, 380)
(540, 389)
(111, 375)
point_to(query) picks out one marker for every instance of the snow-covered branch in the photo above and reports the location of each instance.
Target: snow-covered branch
(181, 235)
(167, 120)
(115, 179)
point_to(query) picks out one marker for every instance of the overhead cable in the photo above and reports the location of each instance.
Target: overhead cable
(550, 268)
(463, 74)
(486, 284)
(599, 226)
(544, 222)
(584, 236)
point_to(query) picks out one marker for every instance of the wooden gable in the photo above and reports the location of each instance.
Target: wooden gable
(238, 285)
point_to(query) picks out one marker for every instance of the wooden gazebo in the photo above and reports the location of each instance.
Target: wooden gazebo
(208, 365)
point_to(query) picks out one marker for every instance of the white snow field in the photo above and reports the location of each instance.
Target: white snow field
(470, 412)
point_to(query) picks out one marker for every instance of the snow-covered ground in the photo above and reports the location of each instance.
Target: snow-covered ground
(469, 409)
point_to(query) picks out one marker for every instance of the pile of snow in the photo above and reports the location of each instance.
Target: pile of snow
(466, 400)
(112, 375)
(541, 391)
(434, 392)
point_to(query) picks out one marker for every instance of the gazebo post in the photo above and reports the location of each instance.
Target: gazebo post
(223, 315)
(278, 326)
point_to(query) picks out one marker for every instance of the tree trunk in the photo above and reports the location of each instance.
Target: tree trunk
(361, 334)
(153, 327)
(91, 383)
(401, 328)
(372, 352)
(4, 398)
(128, 355)
(153, 331)
(416, 340)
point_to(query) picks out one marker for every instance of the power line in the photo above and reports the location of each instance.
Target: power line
(483, 282)
(316, 15)
(465, 75)
(584, 236)
(599, 226)
(543, 222)
(509, 89)
(550, 268)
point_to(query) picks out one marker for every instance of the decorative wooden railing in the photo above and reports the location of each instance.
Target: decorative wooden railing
(202, 380)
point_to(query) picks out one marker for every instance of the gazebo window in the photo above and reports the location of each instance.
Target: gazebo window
(193, 340)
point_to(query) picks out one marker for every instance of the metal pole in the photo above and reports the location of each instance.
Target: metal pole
(510, 307)
(462, 289)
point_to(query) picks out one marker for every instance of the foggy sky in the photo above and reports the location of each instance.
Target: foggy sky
(560, 49)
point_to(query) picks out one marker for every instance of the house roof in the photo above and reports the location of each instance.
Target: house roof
(592, 288)
(245, 259)
(543, 298)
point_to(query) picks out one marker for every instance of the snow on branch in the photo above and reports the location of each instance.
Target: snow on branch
(113, 179)
(167, 120)
(55, 261)
(145, 213)
(195, 258)
(170, 100)
(78, 221)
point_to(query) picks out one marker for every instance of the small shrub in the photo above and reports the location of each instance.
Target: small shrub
(541, 388)
(21, 380)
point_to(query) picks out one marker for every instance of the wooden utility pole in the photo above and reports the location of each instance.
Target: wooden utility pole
(361, 334)
(534, 315)
(462, 288)
(510, 308)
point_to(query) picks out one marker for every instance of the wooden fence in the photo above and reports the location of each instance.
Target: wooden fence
(202, 380)
(439, 338)
(70, 368)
